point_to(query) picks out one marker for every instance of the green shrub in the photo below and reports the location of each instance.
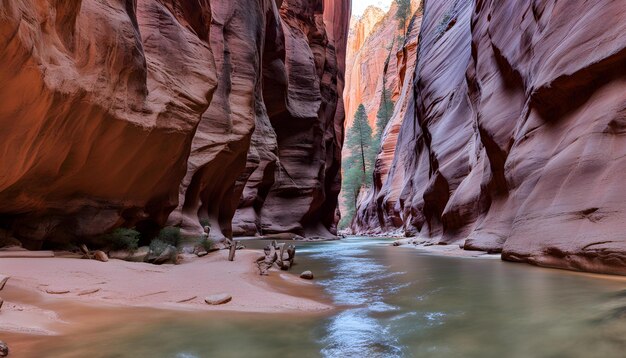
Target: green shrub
(123, 239)
(170, 235)
(207, 244)
(157, 246)
(205, 222)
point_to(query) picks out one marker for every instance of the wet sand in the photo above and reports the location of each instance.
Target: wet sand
(47, 296)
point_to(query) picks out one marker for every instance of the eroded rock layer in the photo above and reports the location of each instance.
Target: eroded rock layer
(139, 112)
(516, 144)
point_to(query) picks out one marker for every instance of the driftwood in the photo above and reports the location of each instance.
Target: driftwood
(232, 250)
(86, 253)
(280, 254)
(232, 247)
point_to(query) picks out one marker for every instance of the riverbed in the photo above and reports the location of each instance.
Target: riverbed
(391, 302)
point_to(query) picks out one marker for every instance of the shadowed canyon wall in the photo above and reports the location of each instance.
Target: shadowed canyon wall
(516, 143)
(147, 112)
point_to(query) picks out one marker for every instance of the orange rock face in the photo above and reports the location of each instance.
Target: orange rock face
(376, 213)
(135, 113)
(294, 160)
(99, 104)
(374, 38)
(517, 142)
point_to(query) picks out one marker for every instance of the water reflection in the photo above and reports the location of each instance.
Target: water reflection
(362, 284)
(397, 302)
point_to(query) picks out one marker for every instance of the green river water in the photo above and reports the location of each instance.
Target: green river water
(397, 302)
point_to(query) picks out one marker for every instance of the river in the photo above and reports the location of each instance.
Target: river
(394, 302)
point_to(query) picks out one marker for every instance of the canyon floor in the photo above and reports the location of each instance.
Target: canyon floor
(40, 291)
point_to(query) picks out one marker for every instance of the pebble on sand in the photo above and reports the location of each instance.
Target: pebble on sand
(218, 299)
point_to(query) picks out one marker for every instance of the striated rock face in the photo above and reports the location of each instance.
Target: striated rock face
(100, 101)
(137, 113)
(517, 141)
(373, 48)
(375, 212)
(293, 167)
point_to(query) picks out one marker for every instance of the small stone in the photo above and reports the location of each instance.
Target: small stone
(3, 281)
(4, 349)
(218, 299)
(100, 256)
(202, 253)
(57, 291)
(307, 275)
(88, 292)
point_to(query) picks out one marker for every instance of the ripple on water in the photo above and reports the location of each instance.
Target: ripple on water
(353, 333)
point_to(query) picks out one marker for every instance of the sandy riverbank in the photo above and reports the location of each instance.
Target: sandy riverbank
(37, 286)
(443, 250)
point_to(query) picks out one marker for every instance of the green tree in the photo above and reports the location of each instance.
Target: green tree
(403, 13)
(359, 141)
(358, 165)
(385, 111)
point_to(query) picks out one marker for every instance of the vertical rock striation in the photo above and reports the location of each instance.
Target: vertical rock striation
(99, 102)
(516, 144)
(142, 112)
(376, 214)
(296, 152)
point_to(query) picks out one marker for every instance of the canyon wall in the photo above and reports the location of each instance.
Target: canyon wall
(517, 140)
(139, 113)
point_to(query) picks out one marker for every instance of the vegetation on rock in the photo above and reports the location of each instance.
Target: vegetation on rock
(123, 239)
(358, 165)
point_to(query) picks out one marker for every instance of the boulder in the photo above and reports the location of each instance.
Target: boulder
(218, 299)
(100, 256)
(138, 255)
(168, 256)
(307, 275)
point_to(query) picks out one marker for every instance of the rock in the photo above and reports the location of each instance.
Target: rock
(57, 291)
(218, 299)
(25, 254)
(138, 255)
(3, 281)
(169, 255)
(145, 100)
(274, 198)
(4, 349)
(100, 256)
(307, 275)
(533, 128)
(88, 292)
(215, 103)
(399, 79)
(202, 253)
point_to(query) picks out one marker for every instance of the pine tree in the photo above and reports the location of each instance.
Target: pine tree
(385, 111)
(358, 166)
(403, 13)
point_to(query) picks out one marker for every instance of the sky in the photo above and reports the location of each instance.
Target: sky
(359, 6)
